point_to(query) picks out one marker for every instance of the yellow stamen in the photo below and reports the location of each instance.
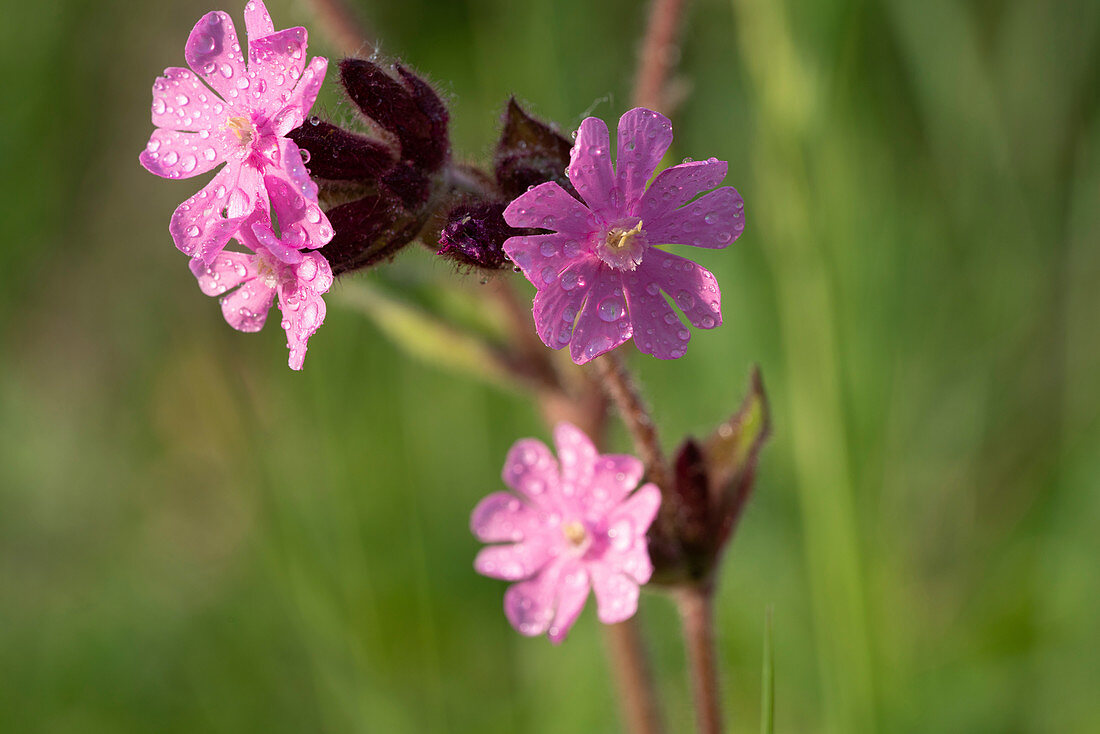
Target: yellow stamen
(619, 238)
(241, 127)
(574, 532)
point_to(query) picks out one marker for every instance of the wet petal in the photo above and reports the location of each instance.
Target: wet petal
(284, 251)
(677, 185)
(590, 171)
(657, 328)
(573, 589)
(513, 562)
(643, 138)
(198, 226)
(246, 308)
(302, 98)
(531, 470)
(577, 456)
(503, 518)
(257, 21)
(227, 270)
(549, 206)
(558, 302)
(182, 102)
(174, 154)
(714, 220)
(213, 53)
(614, 476)
(640, 508)
(616, 594)
(691, 286)
(603, 323)
(275, 64)
(529, 605)
(542, 257)
(303, 313)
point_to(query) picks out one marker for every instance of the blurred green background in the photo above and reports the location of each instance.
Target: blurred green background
(195, 539)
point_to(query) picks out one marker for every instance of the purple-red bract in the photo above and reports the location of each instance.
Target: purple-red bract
(599, 276)
(567, 529)
(243, 122)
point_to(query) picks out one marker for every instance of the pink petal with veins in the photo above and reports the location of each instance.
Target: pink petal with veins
(691, 286)
(549, 206)
(212, 52)
(643, 138)
(714, 220)
(590, 170)
(603, 323)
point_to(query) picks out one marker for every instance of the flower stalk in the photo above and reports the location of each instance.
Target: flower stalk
(696, 607)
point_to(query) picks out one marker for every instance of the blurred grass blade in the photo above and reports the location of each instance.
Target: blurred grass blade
(422, 335)
(767, 687)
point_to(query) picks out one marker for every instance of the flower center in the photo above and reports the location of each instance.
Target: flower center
(575, 533)
(623, 245)
(267, 273)
(618, 238)
(242, 128)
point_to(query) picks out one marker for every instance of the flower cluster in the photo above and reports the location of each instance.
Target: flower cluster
(571, 527)
(263, 196)
(585, 233)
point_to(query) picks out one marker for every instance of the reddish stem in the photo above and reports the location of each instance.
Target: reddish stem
(697, 615)
(659, 55)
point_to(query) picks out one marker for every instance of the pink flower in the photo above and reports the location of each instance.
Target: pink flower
(243, 122)
(258, 277)
(599, 276)
(565, 532)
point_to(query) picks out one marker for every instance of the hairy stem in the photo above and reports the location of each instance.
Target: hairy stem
(637, 697)
(341, 26)
(658, 55)
(635, 415)
(697, 615)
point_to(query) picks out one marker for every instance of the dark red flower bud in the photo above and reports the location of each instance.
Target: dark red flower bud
(369, 230)
(407, 107)
(338, 155)
(474, 235)
(529, 152)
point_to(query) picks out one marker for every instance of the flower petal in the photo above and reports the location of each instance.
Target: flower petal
(257, 21)
(573, 586)
(590, 171)
(577, 456)
(677, 185)
(640, 508)
(303, 309)
(198, 225)
(227, 270)
(275, 63)
(213, 53)
(714, 220)
(283, 250)
(613, 477)
(557, 303)
(513, 562)
(502, 517)
(246, 308)
(182, 102)
(616, 594)
(549, 206)
(174, 154)
(531, 470)
(302, 98)
(542, 257)
(529, 605)
(691, 286)
(643, 138)
(603, 323)
(657, 328)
